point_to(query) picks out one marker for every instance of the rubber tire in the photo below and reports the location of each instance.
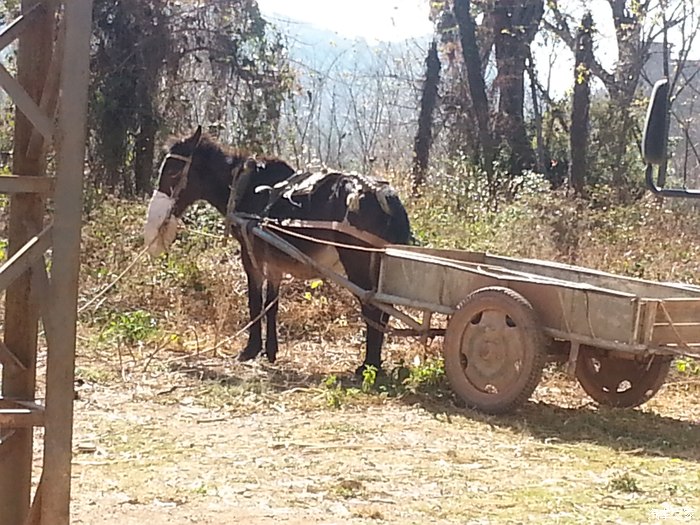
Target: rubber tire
(652, 381)
(521, 311)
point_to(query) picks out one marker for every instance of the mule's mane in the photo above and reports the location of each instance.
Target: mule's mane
(212, 149)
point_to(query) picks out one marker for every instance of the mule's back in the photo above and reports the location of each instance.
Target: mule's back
(366, 203)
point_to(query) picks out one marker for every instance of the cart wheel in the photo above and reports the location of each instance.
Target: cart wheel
(619, 382)
(494, 350)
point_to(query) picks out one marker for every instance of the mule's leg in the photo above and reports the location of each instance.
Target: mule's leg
(255, 286)
(358, 268)
(375, 319)
(272, 304)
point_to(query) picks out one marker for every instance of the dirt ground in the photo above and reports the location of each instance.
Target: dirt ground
(213, 441)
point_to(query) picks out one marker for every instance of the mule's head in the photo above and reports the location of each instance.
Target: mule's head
(178, 187)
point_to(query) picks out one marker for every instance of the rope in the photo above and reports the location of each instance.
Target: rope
(234, 336)
(124, 272)
(115, 281)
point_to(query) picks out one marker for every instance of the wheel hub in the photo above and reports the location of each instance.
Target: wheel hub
(491, 350)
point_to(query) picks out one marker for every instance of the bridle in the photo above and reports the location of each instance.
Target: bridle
(182, 175)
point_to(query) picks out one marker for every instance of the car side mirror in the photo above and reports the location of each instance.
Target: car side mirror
(655, 138)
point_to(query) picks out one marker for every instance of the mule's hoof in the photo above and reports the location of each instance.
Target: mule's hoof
(248, 353)
(271, 350)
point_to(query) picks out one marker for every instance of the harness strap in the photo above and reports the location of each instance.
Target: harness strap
(183, 175)
(342, 227)
(175, 156)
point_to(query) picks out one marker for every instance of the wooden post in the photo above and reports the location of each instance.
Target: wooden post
(70, 141)
(21, 315)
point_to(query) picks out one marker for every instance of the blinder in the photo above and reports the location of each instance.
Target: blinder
(182, 175)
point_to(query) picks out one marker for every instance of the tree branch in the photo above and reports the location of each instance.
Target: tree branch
(562, 30)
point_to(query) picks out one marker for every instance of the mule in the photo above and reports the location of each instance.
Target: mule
(197, 168)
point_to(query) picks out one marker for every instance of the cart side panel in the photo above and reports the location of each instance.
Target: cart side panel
(638, 287)
(568, 309)
(677, 322)
(423, 282)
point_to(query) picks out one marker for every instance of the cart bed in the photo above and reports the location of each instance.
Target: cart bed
(573, 303)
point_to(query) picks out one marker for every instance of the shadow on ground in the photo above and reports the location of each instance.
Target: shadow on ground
(632, 430)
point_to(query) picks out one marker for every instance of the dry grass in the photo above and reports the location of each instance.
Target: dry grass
(257, 451)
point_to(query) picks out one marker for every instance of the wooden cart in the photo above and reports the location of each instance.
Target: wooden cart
(508, 317)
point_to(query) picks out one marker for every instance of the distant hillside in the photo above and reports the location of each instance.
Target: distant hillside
(322, 49)
(356, 102)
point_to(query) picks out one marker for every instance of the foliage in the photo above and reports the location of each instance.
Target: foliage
(688, 366)
(369, 378)
(163, 66)
(130, 328)
(624, 483)
(427, 377)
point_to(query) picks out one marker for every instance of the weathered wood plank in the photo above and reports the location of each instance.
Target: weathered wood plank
(34, 51)
(8, 358)
(26, 104)
(12, 31)
(24, 258)
(49, 95)
(679, 310)
(573, 274)
(575, 308)
(70, 143)
(34, 516)
(25, 414)
(41, 293)
(20, 418)
(688, 333)
(26, 184)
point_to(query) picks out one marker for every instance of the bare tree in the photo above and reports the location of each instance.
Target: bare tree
(636, 28)
(354, 106)
(578, 138)
(477, 85)
(424, 135)
(515, 24)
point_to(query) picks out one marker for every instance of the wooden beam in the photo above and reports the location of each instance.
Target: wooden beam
(20, 414)
(26, 184)
(26, 104)
(12, 31)
(34, 516)
(41, 295)
(34, 50)
(71, 137)
(25, 257)
(49, 95)
(8, 358)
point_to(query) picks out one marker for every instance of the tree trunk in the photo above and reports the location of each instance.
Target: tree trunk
(144, 154)
(537, 117)
(477, 85)
(578, 137)
(628, 18)
(424, 136)
(515, 24)
(628, 31)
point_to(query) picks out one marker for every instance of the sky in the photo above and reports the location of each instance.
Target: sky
(396, 20)
(373, 20)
